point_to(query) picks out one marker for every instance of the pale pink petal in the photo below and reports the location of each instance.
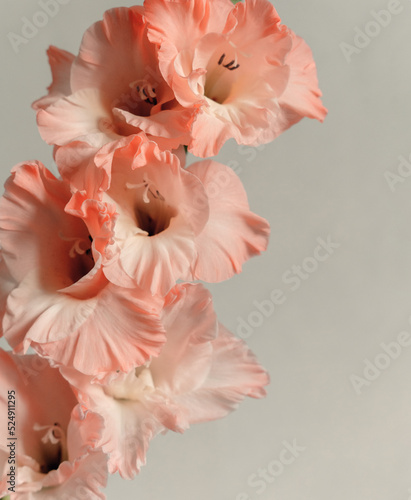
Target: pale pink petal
(233, 233)
(36, 315)
(234, 374)
(131, 427)
(169, 128)
(130, 424)
(156, 262)
(82, 479)
(60, 63)
(31, 210)
(191, 325)
(86, 430)
(114, 53)
(210, 132)
(99, 217)
(205, 371)
(184, 22)
(82, 116)
(122, 329)
(76, 165)
(252, 21)
(302, 93)
(130, 150)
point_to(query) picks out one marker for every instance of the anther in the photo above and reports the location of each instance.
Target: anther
(76, 248)
(146, 184)
(146, 92)
(231, 65)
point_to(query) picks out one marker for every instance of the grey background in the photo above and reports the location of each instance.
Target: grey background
(315, 181)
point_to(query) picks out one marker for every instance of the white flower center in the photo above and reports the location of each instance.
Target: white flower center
(221, 72)
(132, 387)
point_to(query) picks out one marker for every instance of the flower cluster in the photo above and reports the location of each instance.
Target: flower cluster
(99, 267)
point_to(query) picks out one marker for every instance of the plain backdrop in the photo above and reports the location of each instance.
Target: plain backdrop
(336, 181)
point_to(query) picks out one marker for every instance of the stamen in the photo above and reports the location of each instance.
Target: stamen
(147, 183)
(231, 65)
(159, 195)
(56, 436)
(143, 184)
(145, 90)
(244, 54)
(76, 248)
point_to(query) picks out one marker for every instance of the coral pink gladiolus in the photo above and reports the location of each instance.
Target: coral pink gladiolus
(202, 373)
(113, 88)
(173, 223)
(249, 77)
(59, 301)
(57, 448)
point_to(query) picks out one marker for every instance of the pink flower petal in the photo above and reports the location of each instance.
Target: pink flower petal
(122, 330)
(82, 116)
(185, 22)
(191, 326)
(154, 263)
(233, 233)
(234, 374)
(302, 93)
(60, 63)
(130, 423)
(204, 371)
(77, 167)
(114, 53)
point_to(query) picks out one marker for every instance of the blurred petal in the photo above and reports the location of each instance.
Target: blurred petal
(234, 374)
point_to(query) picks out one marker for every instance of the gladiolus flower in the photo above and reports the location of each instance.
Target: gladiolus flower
(202, 374)
(112, 89)
(60, 303)
(249, 77)
(57, 451)
(174, 223)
